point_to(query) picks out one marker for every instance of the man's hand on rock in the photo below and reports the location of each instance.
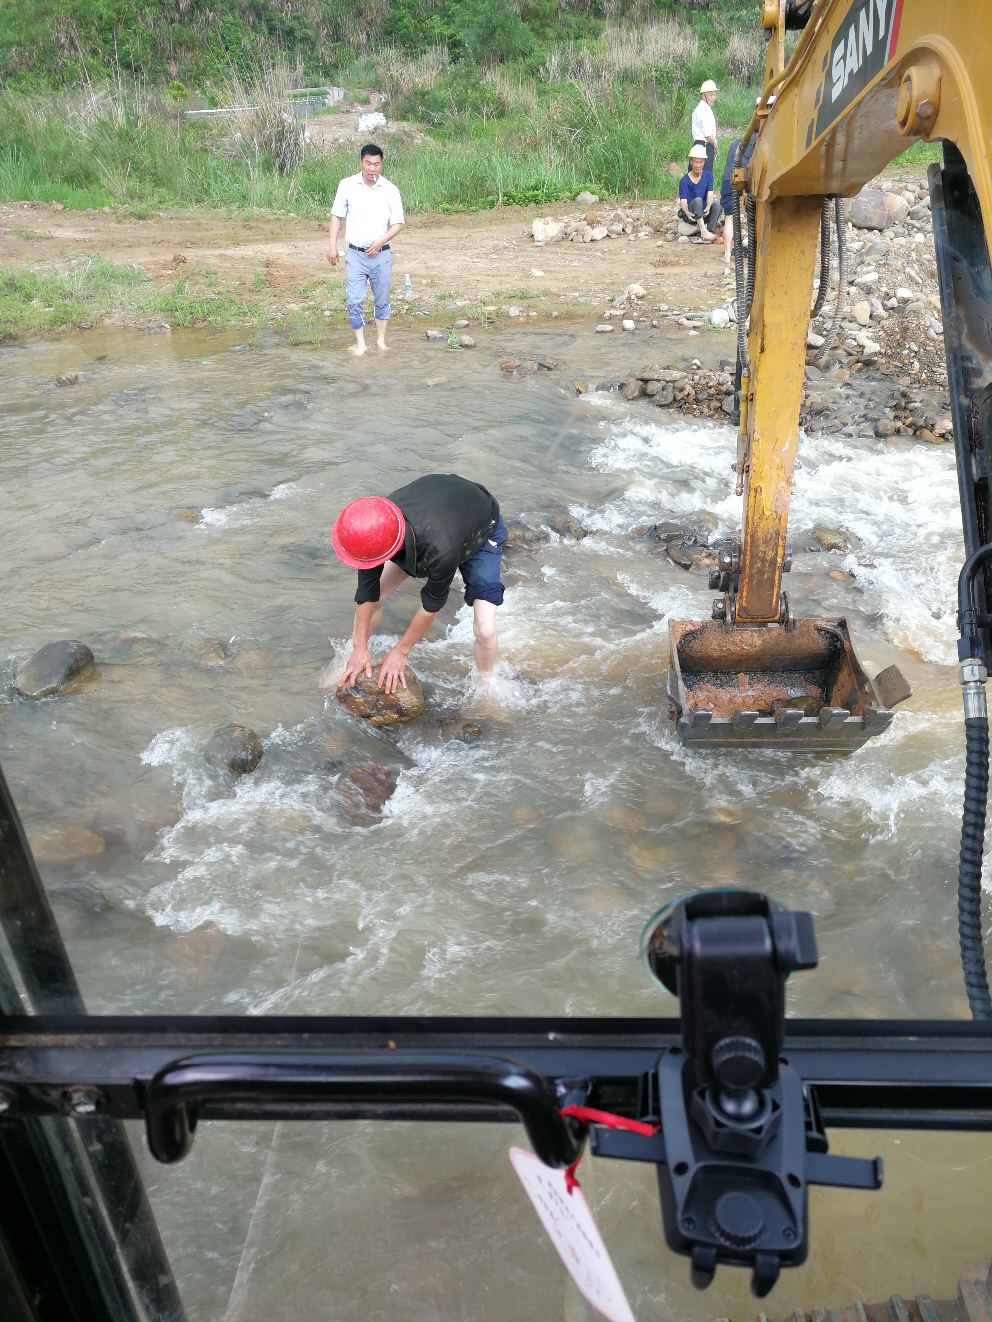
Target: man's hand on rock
(391, 672)
(359, 660)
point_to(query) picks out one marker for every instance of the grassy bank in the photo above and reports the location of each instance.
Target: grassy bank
(36, 302)
(607, 115)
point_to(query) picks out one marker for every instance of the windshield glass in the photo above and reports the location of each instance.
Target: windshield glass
(173, 513)
(498, 855)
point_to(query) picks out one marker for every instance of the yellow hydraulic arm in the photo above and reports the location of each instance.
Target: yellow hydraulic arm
(867, 79)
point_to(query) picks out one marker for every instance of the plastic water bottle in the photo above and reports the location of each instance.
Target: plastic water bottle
(408, 286)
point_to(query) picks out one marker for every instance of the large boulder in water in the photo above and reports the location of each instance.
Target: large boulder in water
(366, 699)
(234, 748)
(53, 668)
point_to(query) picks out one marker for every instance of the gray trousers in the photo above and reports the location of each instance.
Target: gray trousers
(360, 271)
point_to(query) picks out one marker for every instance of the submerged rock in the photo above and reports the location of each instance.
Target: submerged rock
(210, 652)
(565, 526)
(332, 745)
(464, 732)
(521, 536)
(234, 748)
(365, 789)
(65, 844)
(376, 706)
(52, 668)
(836, 539)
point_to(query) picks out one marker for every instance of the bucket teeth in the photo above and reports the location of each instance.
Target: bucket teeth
(832, 718)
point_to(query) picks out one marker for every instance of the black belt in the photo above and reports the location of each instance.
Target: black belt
(384, 248)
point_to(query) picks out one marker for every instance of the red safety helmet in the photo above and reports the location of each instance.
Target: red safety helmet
(368, 532)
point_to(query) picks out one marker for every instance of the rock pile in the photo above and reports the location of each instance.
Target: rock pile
(694, 392)
(845, 400)
(686, 544)
(653, 219)
(892, 319)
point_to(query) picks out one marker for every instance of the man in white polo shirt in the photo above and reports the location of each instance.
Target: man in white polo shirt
(704, 122)
(372, 211)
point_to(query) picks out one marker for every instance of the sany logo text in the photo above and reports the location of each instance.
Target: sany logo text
(856, 42)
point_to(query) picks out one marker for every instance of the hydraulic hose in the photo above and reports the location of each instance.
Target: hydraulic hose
(976, 789)
(744, 287)
(821, 293)
(831, 335)
(973, 621)
(743, 361)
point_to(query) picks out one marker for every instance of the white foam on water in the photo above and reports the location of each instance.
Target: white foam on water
(675, 470)
(245, 512)
(901, 503)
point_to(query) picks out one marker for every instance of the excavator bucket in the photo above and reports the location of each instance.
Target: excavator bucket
(800, 686)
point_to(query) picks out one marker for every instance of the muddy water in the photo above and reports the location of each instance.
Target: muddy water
(511, 876)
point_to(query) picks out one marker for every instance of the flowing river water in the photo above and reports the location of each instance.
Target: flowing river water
(509, 876)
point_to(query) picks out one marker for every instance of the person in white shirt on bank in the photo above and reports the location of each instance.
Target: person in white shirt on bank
(704, 122)
(372, 211)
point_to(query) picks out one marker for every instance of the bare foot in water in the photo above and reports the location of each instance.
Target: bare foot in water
(357, 350)
(382, 346)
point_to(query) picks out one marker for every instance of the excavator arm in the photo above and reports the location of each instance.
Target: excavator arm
(867, 79)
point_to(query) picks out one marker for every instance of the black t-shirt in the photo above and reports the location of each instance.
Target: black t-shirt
(448, 519)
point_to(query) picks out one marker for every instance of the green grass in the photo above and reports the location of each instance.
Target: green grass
(39, 302)
(612, 144)
(921, 153)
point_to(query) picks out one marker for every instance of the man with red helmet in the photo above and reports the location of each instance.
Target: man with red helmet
(428, 529)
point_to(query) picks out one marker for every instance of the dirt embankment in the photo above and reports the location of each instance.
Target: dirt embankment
(276, 261)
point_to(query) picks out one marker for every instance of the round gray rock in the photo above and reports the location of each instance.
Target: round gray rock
(868, 210)
(234, 748)
(52, 668)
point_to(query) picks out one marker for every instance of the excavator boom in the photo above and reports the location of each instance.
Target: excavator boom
(867, 79)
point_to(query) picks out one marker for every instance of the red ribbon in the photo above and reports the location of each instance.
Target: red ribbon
(589, 1115)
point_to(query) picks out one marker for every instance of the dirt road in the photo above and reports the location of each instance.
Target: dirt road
(281, 262)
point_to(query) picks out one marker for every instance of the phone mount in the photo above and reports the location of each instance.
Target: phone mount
(742, 1138)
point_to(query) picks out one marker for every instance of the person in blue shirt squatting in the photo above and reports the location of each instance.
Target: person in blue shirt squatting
(698, 204)
(430, 528)
(372, 211)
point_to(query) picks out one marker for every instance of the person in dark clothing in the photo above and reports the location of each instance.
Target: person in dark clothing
(697, 201)
(727, 193)
(429, 529)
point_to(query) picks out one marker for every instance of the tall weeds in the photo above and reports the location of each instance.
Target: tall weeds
(745, 54)
(263, 122)
(398, 73)
(663, 44)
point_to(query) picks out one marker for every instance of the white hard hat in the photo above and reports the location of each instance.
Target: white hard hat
(708, 86)
(697, 153)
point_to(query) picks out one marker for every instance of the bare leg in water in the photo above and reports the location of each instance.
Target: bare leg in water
(486, 637)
